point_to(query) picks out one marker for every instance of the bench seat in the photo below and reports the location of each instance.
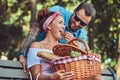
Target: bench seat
(12, 70)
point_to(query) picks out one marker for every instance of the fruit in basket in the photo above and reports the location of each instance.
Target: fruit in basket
(74, 53)
(62, 32)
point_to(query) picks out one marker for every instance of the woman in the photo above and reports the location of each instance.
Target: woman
(41, 69)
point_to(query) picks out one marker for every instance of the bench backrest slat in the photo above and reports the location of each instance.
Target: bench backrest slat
(108, 75)
(10, 64)
(12, 74)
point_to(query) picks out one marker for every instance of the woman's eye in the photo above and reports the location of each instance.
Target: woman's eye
(61, 22)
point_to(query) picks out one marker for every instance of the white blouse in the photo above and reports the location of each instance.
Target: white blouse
(33, 59)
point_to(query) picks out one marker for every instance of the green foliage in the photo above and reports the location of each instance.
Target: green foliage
(106, 29)
(11, 2)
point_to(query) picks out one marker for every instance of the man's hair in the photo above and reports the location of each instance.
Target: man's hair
(89, 9)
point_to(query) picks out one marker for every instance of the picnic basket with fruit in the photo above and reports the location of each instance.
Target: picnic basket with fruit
(71, 58)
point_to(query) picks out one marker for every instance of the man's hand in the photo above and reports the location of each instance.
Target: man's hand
(68, 36)
(34, 29)
(23, 61)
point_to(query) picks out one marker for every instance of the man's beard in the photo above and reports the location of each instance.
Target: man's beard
(72, 28)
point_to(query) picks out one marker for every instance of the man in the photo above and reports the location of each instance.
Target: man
(74, 23)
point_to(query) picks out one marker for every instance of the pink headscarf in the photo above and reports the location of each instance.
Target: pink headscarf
(49, 19)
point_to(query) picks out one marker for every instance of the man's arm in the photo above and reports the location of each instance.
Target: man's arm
(34, 30)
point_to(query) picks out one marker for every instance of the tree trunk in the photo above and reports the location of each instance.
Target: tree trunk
(91, 37)
(117, 67)
(34, 29)
(33, 11)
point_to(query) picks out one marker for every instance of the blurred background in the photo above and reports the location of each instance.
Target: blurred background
(103, 32)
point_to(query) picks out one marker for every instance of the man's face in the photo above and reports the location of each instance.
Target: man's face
(79, 20)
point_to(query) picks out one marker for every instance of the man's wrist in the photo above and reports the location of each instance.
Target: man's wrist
(33, 33)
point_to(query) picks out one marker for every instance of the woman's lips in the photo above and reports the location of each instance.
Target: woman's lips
(62, 32)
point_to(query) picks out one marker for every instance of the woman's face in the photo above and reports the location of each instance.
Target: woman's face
(57, 27)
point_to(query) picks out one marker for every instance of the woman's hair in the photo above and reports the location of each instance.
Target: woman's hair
(89, 9)
(43, 14)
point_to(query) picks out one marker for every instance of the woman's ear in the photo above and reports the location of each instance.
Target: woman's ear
(49, 26)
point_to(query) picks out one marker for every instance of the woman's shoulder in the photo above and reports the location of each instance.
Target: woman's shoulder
(35, 45)
(35, 50)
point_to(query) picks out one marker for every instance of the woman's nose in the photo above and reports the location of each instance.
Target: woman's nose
(63, 27)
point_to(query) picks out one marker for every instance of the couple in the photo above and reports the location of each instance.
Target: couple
(52, 23)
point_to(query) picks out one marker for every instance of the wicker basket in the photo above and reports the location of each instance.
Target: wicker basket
(83, 66)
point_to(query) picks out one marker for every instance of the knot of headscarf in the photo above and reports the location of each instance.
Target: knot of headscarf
(49, 20)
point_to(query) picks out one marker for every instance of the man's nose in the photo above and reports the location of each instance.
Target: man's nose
(77, 23)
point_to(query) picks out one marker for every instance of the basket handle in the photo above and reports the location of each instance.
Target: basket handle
(86, 45)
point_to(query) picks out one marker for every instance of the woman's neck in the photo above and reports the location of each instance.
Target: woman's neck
(49, 42)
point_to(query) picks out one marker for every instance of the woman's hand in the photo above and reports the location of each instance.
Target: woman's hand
(62, 75)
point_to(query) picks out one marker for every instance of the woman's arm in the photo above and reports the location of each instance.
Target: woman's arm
(36, 73)
(59, 75)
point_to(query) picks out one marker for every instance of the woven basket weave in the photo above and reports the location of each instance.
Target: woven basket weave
(84, 66)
